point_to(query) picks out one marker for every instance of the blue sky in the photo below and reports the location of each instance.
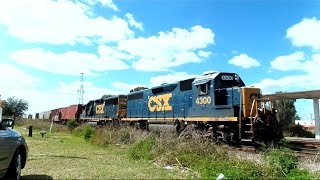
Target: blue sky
(121, 44)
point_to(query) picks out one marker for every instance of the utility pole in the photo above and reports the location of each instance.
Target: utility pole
(81, 90)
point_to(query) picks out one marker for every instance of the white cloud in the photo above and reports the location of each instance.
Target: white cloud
(244, 61)
(204, 54)
(90, 90)
(297, 61)
(305, 33)
(22, 85)
(60, 22)
(108, 3)
(288, 83)
(14, 78)
(133, 22)
(308, 80)
(112, 53)
(65, 94)
(170, 78)
(70, 63)
(293, 61)
(39, 99)
(312, 66)
(104, 3)
(154, 81)
(168, 49)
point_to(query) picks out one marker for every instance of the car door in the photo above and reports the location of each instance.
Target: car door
(4, 148)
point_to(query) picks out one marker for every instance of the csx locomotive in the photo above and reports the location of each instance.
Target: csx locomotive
(218, 103)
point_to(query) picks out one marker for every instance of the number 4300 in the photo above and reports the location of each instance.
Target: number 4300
(203, 100)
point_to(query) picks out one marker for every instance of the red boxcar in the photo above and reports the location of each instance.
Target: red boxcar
(71, 112)
(55, 115)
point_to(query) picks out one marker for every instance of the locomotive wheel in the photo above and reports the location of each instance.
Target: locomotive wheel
(215, 139)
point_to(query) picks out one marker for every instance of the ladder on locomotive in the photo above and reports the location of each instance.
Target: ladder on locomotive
(250, 132)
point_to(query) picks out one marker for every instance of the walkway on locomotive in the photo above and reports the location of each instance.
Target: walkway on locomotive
(212, 97)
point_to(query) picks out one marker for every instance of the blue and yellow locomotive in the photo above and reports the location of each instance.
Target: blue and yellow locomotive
(218, 103)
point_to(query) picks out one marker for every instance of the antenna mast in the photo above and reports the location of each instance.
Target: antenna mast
(81, 90)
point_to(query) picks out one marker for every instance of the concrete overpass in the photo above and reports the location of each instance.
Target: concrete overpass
(314, 95)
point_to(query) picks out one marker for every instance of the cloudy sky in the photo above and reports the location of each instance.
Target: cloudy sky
(121, 44)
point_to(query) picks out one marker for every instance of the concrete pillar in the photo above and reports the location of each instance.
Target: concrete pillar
(316, 117)
(0, 112)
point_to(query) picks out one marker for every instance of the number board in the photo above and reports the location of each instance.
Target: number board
(227, 78)
(203, 100)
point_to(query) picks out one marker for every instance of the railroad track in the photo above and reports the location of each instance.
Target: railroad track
(302, 147)
(305, 147)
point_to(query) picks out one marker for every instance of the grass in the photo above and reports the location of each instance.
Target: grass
(63, 156)
(108, 153)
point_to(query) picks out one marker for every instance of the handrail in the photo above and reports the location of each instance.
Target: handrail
(252, 106)
(251, 111)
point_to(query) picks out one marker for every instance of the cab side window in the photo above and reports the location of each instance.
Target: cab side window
(203, 89)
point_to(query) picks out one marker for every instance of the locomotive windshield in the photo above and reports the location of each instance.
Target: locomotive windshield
(227, 80)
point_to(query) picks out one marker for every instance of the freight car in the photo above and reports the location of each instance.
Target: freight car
(218, 103)
(62, 115)
(44, 115)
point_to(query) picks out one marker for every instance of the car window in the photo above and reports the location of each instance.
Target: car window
(7, 123)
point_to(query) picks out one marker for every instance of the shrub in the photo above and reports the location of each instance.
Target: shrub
(299, 131)
(72, 124)
(117, 135)
(299, 174)
(143, 149)
(190, 151)
(282, 160)
(88, 131)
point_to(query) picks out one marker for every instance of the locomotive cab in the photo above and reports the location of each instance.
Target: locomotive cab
(216, 96)
(230, 110)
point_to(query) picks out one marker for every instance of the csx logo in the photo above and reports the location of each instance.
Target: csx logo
(100, 109)
(160, 103)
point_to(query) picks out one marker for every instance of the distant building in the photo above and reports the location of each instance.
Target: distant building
(309, 124)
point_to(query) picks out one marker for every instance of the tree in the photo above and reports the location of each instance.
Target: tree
(15, 107)
(287, 113)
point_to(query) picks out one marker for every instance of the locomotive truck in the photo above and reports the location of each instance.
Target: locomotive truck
(218, 103)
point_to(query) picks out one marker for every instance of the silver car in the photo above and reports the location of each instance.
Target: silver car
(13, 150)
